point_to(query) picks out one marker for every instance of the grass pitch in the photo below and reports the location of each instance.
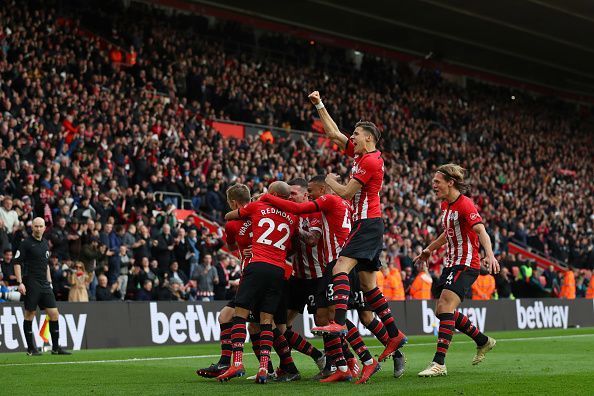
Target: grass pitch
(524, 362)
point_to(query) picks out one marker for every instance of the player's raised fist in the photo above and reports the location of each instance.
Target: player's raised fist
(332, 177)
(315, 97)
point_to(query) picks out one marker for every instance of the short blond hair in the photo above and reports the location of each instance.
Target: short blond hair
(455, 173)
(239, 192)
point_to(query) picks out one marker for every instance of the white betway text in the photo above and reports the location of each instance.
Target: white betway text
(12, 335)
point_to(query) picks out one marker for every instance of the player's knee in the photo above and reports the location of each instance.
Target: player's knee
(226, 315)
(365, 317)
(29, 315)
(366, 283)
(53, 315)
(445, 305)
(343, 264)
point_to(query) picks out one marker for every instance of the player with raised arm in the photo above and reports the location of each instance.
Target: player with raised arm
(263, 278)
(336, 222)
(463, 230)
(364, 244)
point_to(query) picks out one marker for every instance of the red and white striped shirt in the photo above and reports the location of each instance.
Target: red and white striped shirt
(462, 241)
(309, 260)
(368, 170)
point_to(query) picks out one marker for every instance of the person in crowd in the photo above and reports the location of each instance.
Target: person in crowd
(103, 292)
(206, 278)
(79, 283)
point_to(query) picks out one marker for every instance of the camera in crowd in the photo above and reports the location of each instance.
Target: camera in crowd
(9, 294)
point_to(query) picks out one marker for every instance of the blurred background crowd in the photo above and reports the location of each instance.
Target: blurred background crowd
(101, 115)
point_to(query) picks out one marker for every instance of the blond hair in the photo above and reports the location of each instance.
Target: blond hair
(455, 173)
(238, 192)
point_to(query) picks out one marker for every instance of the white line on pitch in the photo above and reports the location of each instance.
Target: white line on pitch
(133, 360)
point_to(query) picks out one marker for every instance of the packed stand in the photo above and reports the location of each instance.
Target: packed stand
(86, 144)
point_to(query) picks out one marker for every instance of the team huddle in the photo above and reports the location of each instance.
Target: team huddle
(317, 244)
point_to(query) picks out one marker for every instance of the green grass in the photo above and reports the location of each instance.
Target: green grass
(525, 362)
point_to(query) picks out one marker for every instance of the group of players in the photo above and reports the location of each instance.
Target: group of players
(333, 235)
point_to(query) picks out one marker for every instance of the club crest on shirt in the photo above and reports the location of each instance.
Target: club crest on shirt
(357, 171)
(450, 232)
(473, 216)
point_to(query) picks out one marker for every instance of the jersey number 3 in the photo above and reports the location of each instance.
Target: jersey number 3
(271, 226)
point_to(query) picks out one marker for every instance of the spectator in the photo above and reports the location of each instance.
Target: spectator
(389, 281)
(84, 211)
(194, 251)
(59, 240)
(181, 250)
(142, 247)
(483, 287)
(172, 291)
(176, 273)
(8, 215)
(206, 278)
(163, 247)
(125, 263)
(407, 280)
(552, 281)
(145, 272)
(568, 286)
(79, 283)
(103, 292)
(4, 238)
(420, 289)
(234, 271)
(60, 281)
(7, 269)
(220, 288)
(146, 293)
(503, 283)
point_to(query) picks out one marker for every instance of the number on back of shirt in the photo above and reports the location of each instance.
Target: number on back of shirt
(270, 226)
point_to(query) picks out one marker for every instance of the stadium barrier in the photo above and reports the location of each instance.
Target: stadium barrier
(132, 324)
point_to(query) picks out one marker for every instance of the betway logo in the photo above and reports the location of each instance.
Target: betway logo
(192, 325)
(538, 316)
(352, 315)
(12, 335)
(476, 315)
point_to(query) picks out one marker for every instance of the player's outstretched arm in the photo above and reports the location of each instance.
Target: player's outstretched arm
(485, 241)
(347, 192)
(330, 127)
(233, 215)
(290, 206)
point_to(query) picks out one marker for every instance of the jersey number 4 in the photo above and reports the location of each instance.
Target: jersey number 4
(270, 227)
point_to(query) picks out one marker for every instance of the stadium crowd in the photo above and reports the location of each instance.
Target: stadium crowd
(86, 144)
